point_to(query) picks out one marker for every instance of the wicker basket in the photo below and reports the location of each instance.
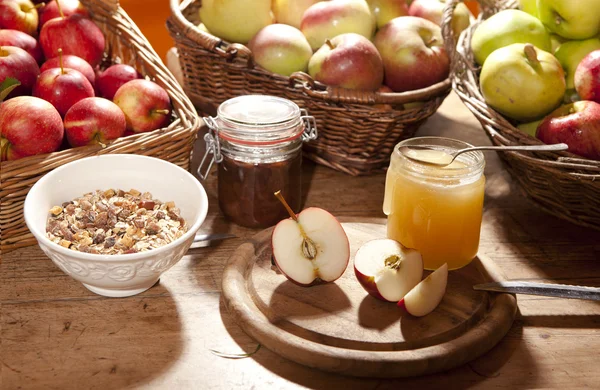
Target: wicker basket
(357, 130)
(560, 183)
(126, 44)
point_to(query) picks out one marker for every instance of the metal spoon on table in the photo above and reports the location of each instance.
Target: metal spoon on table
(408, 152)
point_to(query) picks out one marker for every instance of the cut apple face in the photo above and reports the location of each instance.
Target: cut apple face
(387, 270)
(426, 295)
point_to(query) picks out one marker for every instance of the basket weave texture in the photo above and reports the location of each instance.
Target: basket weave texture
(125, 44)
(560, 183)
(357, 129)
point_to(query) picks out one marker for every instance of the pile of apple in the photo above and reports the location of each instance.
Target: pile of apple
(369, 45)
(540, 67)
(53, 91)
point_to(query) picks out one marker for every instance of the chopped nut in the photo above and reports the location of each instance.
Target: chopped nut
(65, 243)
(56, 210)
(147, 204)
(109, 193)
(134, 192)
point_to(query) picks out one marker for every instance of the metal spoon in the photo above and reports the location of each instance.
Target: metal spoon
(407, 151)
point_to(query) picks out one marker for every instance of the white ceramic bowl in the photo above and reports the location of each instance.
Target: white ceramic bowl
(116, 275)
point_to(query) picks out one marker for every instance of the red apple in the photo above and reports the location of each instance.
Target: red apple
(68, 7)
(28, 126)
(94, 120)
(17, 63)
(76, 35)
(71, 62)
(19, 15)
(587, 77)
(348, 61)
(413, 53)
(146, 105)
(576, 124)
(24, 41)
(109, 81)
(427, 295)
(433, 10)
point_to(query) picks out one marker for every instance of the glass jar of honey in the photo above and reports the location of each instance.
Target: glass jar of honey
(436, 210)
(257, 142)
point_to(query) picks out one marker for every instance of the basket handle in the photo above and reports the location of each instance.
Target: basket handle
(109, 5)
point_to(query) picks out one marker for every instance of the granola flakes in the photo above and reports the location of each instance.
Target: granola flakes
(115, 222)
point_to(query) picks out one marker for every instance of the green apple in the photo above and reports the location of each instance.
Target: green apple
(571, 19)
(556, 41)
(291, 11)
(529, 6)
(386, 10)
(202, 27)
(522, 82)
(570, 54)
(235, 20)
(505, 28)
(529, 127)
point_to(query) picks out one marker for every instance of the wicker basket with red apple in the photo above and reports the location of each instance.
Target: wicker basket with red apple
(529, 71)
(78, 79)
(369, 71)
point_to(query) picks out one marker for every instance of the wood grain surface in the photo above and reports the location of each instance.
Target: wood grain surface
(55, 334)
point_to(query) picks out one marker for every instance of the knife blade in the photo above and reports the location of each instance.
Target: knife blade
(202, 240)
(544, 289)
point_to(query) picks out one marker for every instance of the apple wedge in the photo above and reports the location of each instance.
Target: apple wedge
(387, 270)
(426, 295)
(310, 248)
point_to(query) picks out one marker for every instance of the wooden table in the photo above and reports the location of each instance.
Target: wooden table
(55, 334)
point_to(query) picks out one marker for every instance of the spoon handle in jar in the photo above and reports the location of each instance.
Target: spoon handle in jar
(539, 148)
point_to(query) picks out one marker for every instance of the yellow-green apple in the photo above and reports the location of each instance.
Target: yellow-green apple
(281, 49)
(349, 61)
(146, 105)
(587, 77)
(28, 126)
(427, 295)
(570, 19)
(434, 9)
(310, 248)
(522, 82)
(24, 41)
(75, 35)
(576, 124)
(386, 10)
(291, 11)
(235, 20)
(71, 62)
(18, 64)
(328, 19)
(556, 41)
(530, 127)
(529, 6)
(202, 27)
(109, 81)
(94, 120)
(386, 269)
(570, 54)
(505, 28)
(68, 7)
(19, 15)
(413, 53)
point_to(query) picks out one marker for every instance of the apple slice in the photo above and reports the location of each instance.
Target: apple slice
(427, 295)
(311, 247)
(387, 270)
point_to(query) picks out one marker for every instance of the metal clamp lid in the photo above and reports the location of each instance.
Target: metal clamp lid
(212, 147)
(310, 126)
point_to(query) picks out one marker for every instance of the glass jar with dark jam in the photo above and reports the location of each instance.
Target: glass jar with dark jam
(257, 142)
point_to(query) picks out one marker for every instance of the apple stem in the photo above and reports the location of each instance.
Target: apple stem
(286, 205)
(431, 41)
(309, 249)
(59, 9)
(393, 262)
(60, 59)
(162, 111)
(328, 43)
(531, 54)
(3, 52)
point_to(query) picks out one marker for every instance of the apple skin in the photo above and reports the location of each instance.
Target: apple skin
(572, 21)
(62, 88)
(281, 49)
(19, 15)
(94, 120)
(139, 100)
(290, 11)
(413, 54)
(75, 35)
(349, 61)
(386, 10)
(17, 63)
(72, 62)
(235, 20)
(68, 7)
(587, 77)
(576, 124)
(529, 6)
(328, 19)
(433, 10)
(571, 53)
(110, 80)
(29, 126)
(24, 41)
(505, 28)
(529, 127)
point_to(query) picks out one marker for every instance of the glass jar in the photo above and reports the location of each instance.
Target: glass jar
(257, 142)
(436, 210)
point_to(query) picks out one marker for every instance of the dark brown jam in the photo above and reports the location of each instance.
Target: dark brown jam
(246, 190)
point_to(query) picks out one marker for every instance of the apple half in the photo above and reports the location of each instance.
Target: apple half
(387, 270)
(426, 295)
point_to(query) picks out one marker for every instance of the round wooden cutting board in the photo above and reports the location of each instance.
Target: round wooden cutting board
(338, 327)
